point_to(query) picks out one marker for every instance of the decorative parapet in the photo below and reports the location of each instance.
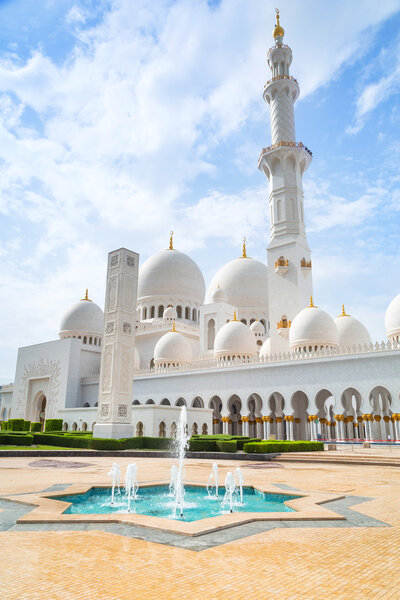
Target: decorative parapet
(281, 266)
(283, 144)
(180, 326)
(277, 77)
(206, 362)
(305, 264)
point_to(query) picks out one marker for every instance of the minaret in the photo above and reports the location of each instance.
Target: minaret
(284, 162)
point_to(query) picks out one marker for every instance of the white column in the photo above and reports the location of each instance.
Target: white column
(397, 429)
(291, 429)
(114, 415)
(225, 426)
(279, 428)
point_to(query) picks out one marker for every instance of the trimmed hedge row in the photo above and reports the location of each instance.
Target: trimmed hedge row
(226, 445)
(15, 439)
(53, 425)
(36, 427)
(283, 446)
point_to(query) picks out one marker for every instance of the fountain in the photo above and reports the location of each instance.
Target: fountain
(229, 490)
(239, 482)
(172, 480)
(213, 480)
(131, 483)
(181, 444)
(115, 473)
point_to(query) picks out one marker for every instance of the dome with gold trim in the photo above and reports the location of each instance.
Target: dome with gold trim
(83, 318)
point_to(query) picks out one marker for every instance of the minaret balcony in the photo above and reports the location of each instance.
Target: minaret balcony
(281, 266)
(277, 77)
(305, 265)
(283, 327)
(286, 145)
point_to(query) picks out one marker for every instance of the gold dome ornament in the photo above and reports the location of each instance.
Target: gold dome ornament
(278, 31)
(343, 312)
(86, 296)
(171, 241)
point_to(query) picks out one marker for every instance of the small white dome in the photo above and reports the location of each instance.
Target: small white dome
(312, 327)
(351, 332)
(234, 339)
(265, 349)
(245, 284)
(257, 328)
(173, 348)
(392, 319)
(170, 313)
(83, 317)
(218, 295)
(173, 275)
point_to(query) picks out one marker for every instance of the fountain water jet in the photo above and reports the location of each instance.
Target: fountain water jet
(229, 490)
(181, 444)
(172, 480)
(213, 480)
(239, 482)
(115, 473)
(131, 483)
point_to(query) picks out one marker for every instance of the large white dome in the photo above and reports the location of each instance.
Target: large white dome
(234, 339)
(351, 332)
(265, 350)
(83, 317)
(244, 282)
(172, 348)
(312, 327)
(171, 274)
(392, 319)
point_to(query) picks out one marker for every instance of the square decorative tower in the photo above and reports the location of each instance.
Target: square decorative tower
(114, 415)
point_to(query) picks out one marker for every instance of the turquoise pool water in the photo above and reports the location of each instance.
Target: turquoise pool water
(155, 501)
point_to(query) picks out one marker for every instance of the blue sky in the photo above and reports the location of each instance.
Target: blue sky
(121, 120)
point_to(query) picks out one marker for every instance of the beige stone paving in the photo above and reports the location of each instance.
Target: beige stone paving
(284, 564)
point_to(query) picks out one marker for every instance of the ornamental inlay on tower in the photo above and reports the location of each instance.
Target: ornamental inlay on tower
(284, 162)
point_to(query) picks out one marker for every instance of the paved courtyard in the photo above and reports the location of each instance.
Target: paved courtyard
(358, 558)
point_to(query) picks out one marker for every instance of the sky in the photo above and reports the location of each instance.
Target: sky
(121, 120)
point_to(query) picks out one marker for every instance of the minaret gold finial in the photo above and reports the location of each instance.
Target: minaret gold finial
(244, 254)
(86, 296)
(278, 31)
(171, 240)
(234, 316)
(343, 312)
(311, 303)
(173, 326)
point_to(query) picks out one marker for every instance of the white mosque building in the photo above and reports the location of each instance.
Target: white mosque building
(252, 355)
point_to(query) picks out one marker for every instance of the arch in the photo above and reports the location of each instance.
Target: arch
(144, 313)
(152, 312)
(320, 398)
(215, 403)
(243, 321)
(160, 311)
(93, 424)
(187, 313)
(299, 403)
(150, 401)
(139, 429)
(85, 339)
(235, 406)
(152, 364)
(194, 315)
(181, 402)
(162, 430)
(86, 405)
(210, 334)
(279, 210)
(380, 399)
(173, 429)
(276, 403)
(65, 426)
(165, 402)
(96, 404)
(197, 402)
(90, 340)
(179, 312)
(254, 404)
(264, 323)
(204, 429)
(74, 426)
(84, 426)
(195, 429)
(349, 398)
(136, 403)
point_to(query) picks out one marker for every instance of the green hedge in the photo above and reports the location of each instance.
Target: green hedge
(240, 442)
(156, 443)
(16, 425)
(87, 441)
(36, 427)
(196, 445)
(4, 426)
(282, 446)
(227, 445)
(53, 425)
(16, 440)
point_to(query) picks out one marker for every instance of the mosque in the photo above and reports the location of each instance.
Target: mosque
(250, 355)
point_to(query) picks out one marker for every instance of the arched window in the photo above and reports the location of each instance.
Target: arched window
(139, 429)
(195, 429)
(86, 405)
(210, 334)
(173, 430)
(95, 341)
(84, 426)
(74, 426)
(187, 313)
(85, 339)
(279, 210)
(291, 209)
(259, 342)
(99, 341)
(152, 363)
(152, 312)
(252, 321)
(144, 313)
(194, 315)
(90, 340)
(160, 311)
(179, 312)
(204, 429)
(165, 402)
(244, 321)
(162, 430)
(65, 426)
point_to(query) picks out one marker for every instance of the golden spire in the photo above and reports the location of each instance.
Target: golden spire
(234, 316)
(171, 241)
(311, 303)
(173, 326)
(343, 312)
(278, 31)
(244, 254)
(86, 296)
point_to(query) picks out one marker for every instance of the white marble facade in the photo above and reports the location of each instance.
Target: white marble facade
(250, 355)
